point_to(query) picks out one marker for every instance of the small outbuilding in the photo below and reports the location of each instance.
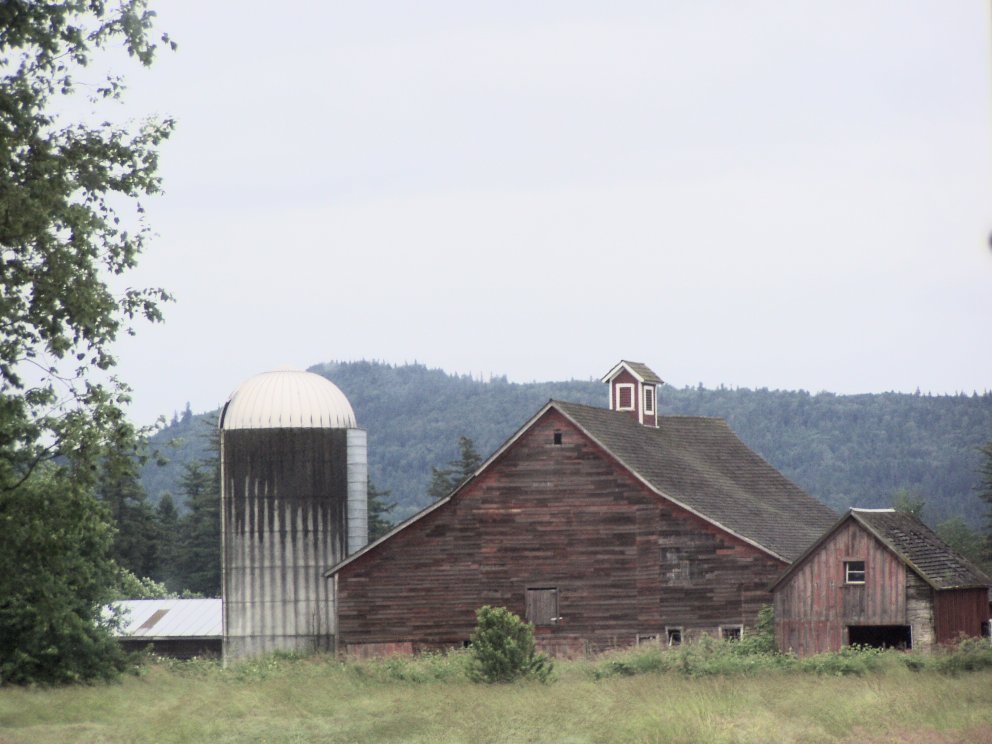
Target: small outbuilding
(880, 578)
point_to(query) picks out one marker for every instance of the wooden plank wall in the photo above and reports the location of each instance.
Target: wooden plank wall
(960, 612)
(814, 606)
(547, 515)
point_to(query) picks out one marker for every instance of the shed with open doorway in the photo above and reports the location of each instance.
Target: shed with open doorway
(880, 578)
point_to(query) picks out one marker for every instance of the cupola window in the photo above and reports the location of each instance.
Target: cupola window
(625, 397)
(649, 400)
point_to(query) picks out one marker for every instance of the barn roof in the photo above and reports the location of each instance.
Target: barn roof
(700, 464)
(170, 618)
(920, 547)
(697, 463)
(914, 543)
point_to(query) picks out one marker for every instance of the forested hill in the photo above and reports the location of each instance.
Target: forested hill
(843, 449)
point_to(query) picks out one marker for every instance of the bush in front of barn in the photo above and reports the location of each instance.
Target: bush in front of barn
(503, 650)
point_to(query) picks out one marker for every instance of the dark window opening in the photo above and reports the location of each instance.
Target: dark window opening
(986, 629)
(880, 636)
(854, 572)
(674, 636)
(542, 606)
(557, 437)
(731, 632)
(648, 400)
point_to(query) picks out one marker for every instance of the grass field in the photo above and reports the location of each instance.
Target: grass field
(625, 697)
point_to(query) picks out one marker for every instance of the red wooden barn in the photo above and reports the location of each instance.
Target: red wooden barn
(603, 527)
(882, 578)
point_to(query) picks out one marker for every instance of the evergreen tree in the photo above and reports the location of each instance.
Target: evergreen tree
(966, 541)
(985, 492)
(442, 483)
(468, 461)
(446, 480)
(199, 550)
(379, 508)
(908, 503)
(135, 541)
(167, 523)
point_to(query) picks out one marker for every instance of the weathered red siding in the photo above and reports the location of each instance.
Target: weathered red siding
(814, 606)
(626, 562)
(959, 611)
(624, 378)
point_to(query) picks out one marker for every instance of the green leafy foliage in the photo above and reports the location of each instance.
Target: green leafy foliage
(71, 226)
(503, 648)
(58, 576)
(130, 586)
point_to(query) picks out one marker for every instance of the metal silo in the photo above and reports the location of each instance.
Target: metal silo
(294, 483)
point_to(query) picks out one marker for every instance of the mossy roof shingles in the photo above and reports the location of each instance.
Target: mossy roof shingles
(922, 549)
(701, 464)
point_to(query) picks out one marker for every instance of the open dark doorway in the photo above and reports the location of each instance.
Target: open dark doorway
(880, 636)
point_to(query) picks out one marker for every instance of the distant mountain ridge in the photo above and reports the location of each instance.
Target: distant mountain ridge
(843, 449)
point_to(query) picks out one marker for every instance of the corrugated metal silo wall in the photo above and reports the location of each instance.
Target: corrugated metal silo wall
(284, 500)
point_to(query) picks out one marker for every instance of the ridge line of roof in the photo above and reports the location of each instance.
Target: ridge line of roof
(633, 471)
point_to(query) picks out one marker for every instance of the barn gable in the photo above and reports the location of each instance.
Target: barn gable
(597, 528)
(559, 531)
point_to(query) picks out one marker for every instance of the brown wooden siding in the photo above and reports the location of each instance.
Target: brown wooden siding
(959, 611)
(625, 562)
(814, 606)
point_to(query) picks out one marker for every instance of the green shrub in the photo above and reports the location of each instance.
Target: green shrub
(503, 649)
(762, 641)
(853, 660)
(968, 655)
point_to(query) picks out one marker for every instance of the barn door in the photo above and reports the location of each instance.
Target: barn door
(542, 605)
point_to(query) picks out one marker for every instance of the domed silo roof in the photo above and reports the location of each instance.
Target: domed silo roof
(287, 399)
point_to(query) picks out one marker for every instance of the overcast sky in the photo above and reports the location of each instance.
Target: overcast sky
(779, 194)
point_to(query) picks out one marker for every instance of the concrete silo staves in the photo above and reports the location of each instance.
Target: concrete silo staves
(294, 484)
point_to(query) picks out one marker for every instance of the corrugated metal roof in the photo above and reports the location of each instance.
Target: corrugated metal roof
(171, 618)
(287, 399)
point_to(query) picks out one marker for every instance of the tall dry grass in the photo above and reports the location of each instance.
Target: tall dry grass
(638, 696)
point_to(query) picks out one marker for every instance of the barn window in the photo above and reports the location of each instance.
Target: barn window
(731, 632)
(854, 572)
(542, 605)
(625, 397)
(649, 400)
(674, 636)
(557, 439)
